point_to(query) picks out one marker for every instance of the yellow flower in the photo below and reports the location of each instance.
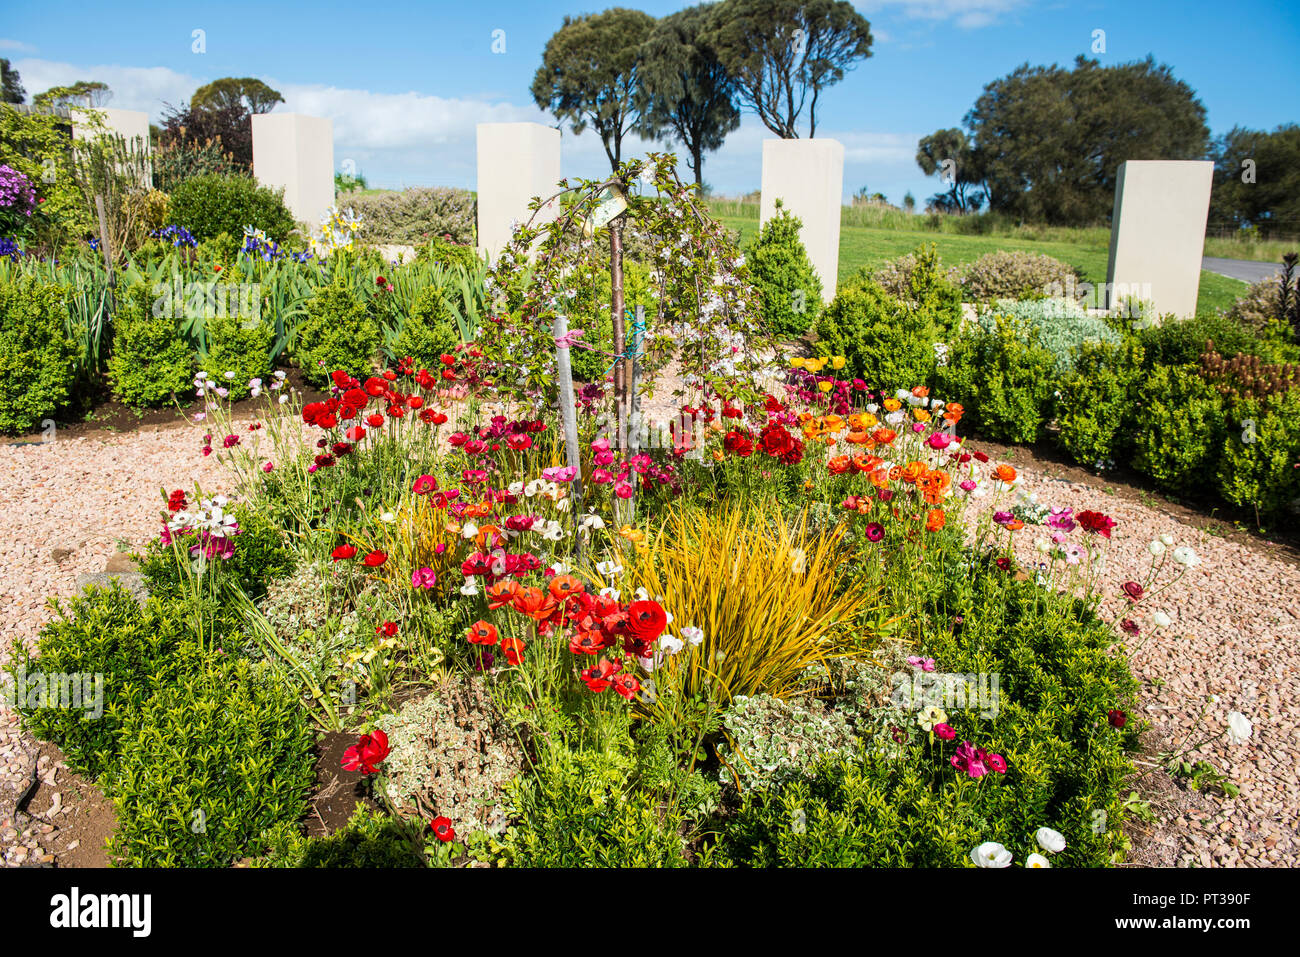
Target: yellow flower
(892, 405)
(632, 534)
(825, 386)
(921, 415)
(797, 362)
(837, 362)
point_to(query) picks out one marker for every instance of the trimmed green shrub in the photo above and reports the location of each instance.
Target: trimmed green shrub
(1060, 326)
(262, 555)
(417, 214)
(783, 274)
(918, 279)
(208, 765)
(1179, 429)
(580, 809)
(151, 361)
(1180, 342)
(909, 807)
(105, 632)
(240, 345)
(1258, 457)
(369, 839)
(449, 253)
(1004, 378)
(427, 332)
(1098, 403)
(37, 359)
(210, 204)
(1015, 275)
(883, 342)
(339, 331)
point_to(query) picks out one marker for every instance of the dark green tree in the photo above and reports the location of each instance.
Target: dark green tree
(590, 75)
(247, 92)
(11, 86)
(781, 54)
(1257, 180)
(949, 154)
(688, 92)
(1048, 141)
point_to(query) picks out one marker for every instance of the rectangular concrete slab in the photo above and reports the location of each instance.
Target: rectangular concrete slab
(295, 153)
(808, 177)
(1157, 234)
(516, 162)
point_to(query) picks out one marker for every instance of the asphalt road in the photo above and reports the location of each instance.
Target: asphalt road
(1242, 269)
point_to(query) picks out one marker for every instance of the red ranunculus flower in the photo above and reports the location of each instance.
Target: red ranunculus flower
(1095, 522)
(367, 754)
(343, 553)
(738, 443)
(514, 650)
(442, 829)
(646, 620)
(375, 559)
(1117, 718)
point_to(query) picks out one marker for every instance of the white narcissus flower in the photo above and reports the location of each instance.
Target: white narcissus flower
(1161, 619)
(1239, 727)
(991, 854)
(1186, 555)
(1051, 841)
(1037, 860)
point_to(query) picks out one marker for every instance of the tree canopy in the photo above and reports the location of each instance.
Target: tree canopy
(589, 75)
(1047, 142)
(1257, 180)
(251, 94)
(781, 54)
(688, 93)
(949, 154)
(11, 86)
(88, 93)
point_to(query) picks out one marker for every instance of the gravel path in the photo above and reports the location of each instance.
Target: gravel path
(1235, 631)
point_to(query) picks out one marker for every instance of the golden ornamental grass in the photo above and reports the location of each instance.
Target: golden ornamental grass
(764, 591)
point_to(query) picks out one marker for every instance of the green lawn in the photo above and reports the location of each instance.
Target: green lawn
(872, 247)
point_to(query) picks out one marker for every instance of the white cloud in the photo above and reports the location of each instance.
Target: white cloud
(16, 46)
(133, 87)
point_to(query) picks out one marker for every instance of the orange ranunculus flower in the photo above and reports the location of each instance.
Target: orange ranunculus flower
(838, 465)
(533, 602)
(867, 463)
(921, 391)
(892, 405)
(921, 415)
(1014, 525)
(562, 586)
(935, 520)
(884, 436)
(805, 417)
(953, 412)
(502, 593)
(912, 472)
(832, 423)
(895, 473)
(513, 649)
(1005, 473)
(857, 437)
(880, 478)
(482, 633)
(717, 455)
(489, 536)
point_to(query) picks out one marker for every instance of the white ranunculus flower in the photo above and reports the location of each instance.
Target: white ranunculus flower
(694, 636)
(1186, 555)
(470, 587)
(609, 593)
(1239, 727)
(991, 854)
(1156, 548)
(515, 488)
(642, 594)
(1166, 539)
(670, 645)
(1161, 619)
(1051, 841)
(1037, 860)
(388, 518)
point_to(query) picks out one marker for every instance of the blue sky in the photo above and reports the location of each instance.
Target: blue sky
(405, 83)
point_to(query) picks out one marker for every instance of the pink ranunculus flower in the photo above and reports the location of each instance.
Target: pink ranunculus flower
(602, 477)
(925, 664)
(623, 490)
(605, 458)
(600, 445)
(423, 578)
(945, 731)
(939, 440)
